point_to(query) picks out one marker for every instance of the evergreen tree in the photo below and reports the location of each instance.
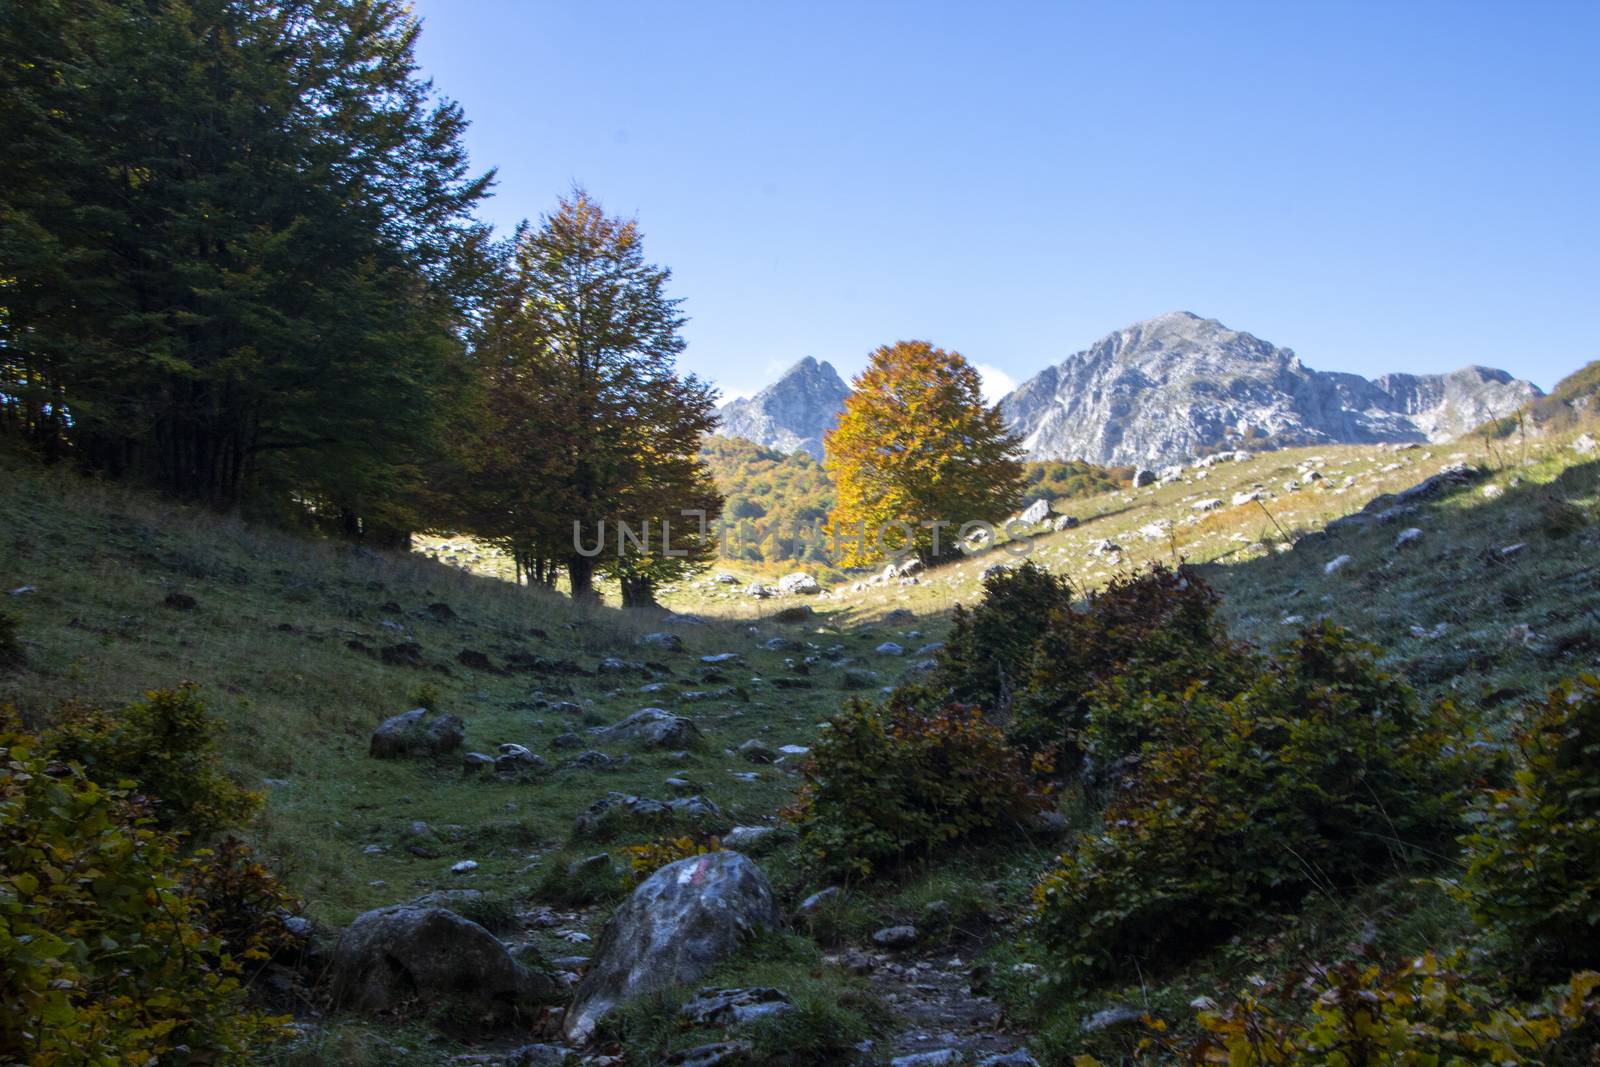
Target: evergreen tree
(236, 246)
(915, 444)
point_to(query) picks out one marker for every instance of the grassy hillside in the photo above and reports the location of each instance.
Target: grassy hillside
(288, 638)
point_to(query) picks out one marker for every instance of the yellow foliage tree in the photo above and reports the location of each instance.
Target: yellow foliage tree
(916, 446)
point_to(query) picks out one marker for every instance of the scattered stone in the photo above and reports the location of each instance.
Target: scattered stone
(1143, 477)
(758, 591)
(1407, 537)
(720, 1054)
(464, 867)
(943, 1057)
(1389, 516)
(396, 956)
(734, 1007)
(537, 1056)
(993, 570)
(1492, 492)
(1211, 504)
(750, 839)
(1104, 547)
(889, 648)
(1248, 496)
(175, 601)
(592, 761)
(720, 658)
(414, 733)
(661, 639)
(756, 751)
(441, 612)
(655, 728)
(903, 936)
(1019, 1058)
(1111, 1017)
(567, 740)
(1064, 522)
(813, 905)
(683, 920)
(1036, 512)
(726, 579)
(517, 760)
(798, 584)
(782, 644)
(616, 665)
(473, 762)
(1449, 477)
(1584, 445)
(1336, 564)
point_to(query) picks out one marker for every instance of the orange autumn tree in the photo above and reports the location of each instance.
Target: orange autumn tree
(914, 445)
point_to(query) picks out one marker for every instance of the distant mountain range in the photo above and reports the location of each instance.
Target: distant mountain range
(1170, 388)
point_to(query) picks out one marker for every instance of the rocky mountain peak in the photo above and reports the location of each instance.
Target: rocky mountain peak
(1178, 385)
(793, 413)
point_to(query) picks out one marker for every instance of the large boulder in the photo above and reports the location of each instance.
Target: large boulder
(1036, 512)
(417, 733)
(656, 728)
(407, 954)
(684, 920)
(798, 583)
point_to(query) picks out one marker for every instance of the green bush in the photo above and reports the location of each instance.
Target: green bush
(885, 781)
(1533, 858)
(988, 653)
(1324, 773)
(105, 957)
(1153, 634)
(166, 743)
(1425, 1011)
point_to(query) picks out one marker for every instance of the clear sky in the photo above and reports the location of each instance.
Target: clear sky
(1379, 186)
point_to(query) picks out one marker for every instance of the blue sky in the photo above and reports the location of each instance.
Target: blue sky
(1382, 187)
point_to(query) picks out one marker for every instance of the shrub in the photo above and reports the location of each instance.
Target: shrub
(166, 743)
(1152, 634)
(241, 902)
(887, 780)
(1363, 1015)
(104, 954)
(1324, 773)
(987, 655)
(646, 859)
(1533, 860)
(424, 695)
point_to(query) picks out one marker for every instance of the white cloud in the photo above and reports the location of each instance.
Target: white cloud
(996, 382)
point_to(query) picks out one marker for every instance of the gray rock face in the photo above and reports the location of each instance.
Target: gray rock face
(685, 919)
(416, 733)
(793, 413)
(1177, 385)
(392, 957)
(654, 727)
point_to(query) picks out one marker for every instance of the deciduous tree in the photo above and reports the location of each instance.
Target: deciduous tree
(916, 445)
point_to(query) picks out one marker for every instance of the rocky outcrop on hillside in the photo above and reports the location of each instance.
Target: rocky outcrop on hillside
(1178, 386)
(793, 413)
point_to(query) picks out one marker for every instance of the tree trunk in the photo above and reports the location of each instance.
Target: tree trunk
(639, 593)
(580, 570)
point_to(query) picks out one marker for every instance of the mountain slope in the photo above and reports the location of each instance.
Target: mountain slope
(1178, 385)
(793, 413)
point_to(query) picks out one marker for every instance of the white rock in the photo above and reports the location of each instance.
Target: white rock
(1337, 563)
